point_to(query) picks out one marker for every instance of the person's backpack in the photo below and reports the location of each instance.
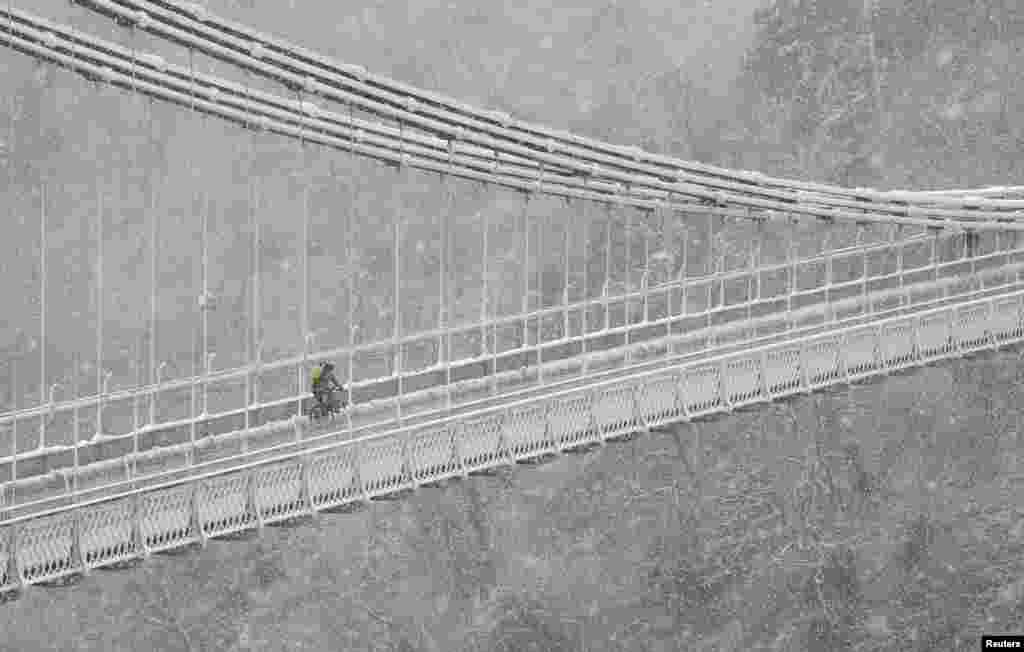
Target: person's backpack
(316, 376)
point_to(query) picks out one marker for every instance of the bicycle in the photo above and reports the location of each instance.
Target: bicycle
(327, 405)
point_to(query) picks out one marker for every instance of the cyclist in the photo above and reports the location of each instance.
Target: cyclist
(324, 384)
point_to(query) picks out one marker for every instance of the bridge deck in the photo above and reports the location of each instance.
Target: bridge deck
(69, 539)
(172, 447)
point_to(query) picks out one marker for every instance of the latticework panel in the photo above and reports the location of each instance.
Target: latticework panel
(614, 410)
(1005, 323)
(107, 535)
(822, 362)
(382, 467)
(658, 400)
(526, 432)
(223, 505)
(279, 493)
(782, 370)
(702, 392)
(898, 344)
(972, 327)
(743, 380)
(96, 535)
(860, 349)
(934, 335)
(334, 478)
(46, 548)
(570, 424)
(480, 443)
(432, 455)
(8, 578)
(166, 519)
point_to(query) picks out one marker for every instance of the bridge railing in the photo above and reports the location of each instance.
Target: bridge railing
(680, 307)
(119, 463)
(781, 279)
(109, 62)
(92, 533)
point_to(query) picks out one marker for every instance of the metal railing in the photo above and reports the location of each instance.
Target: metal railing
(688, 285)
(88, 534)
(638, 336)
(174, 460)
(46, 539)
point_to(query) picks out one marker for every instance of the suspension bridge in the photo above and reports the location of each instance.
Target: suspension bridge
(566, 292)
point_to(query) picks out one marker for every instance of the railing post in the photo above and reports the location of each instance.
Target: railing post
(842, 359)
(301, 374)
(103, 400)
(1020, 316)
(14, 456)
(408, 477)
(42, 303)
(206, 382)
(78, 556)
(357, 456)
(880, 361)
(957, 330)
(305, 373)
(42, 429)
(951, 343)
(683, 280)
(915, 352)
(76, 433)
(680, 394)
(604, 304)
(494, 359)
(805, 377)
(546, 438)
(193, 417)
(645, 285)
(830, 314)
(135, 412)
(540, 350)
(457, 429)
(791, 258)
(351, 375)
(723, 390)
(307, 486)
(991, 310)
(864, 267)
(247, 402)
(138, 536)
(765, 387)
(257, 375)
(626, 337)
(599, 435)
(754, 294)
(252, 497)
(17, 569)
(442, 293)
(156, 393)
(197, 516)
(12, 569)
(566, 270)
(638, 415)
